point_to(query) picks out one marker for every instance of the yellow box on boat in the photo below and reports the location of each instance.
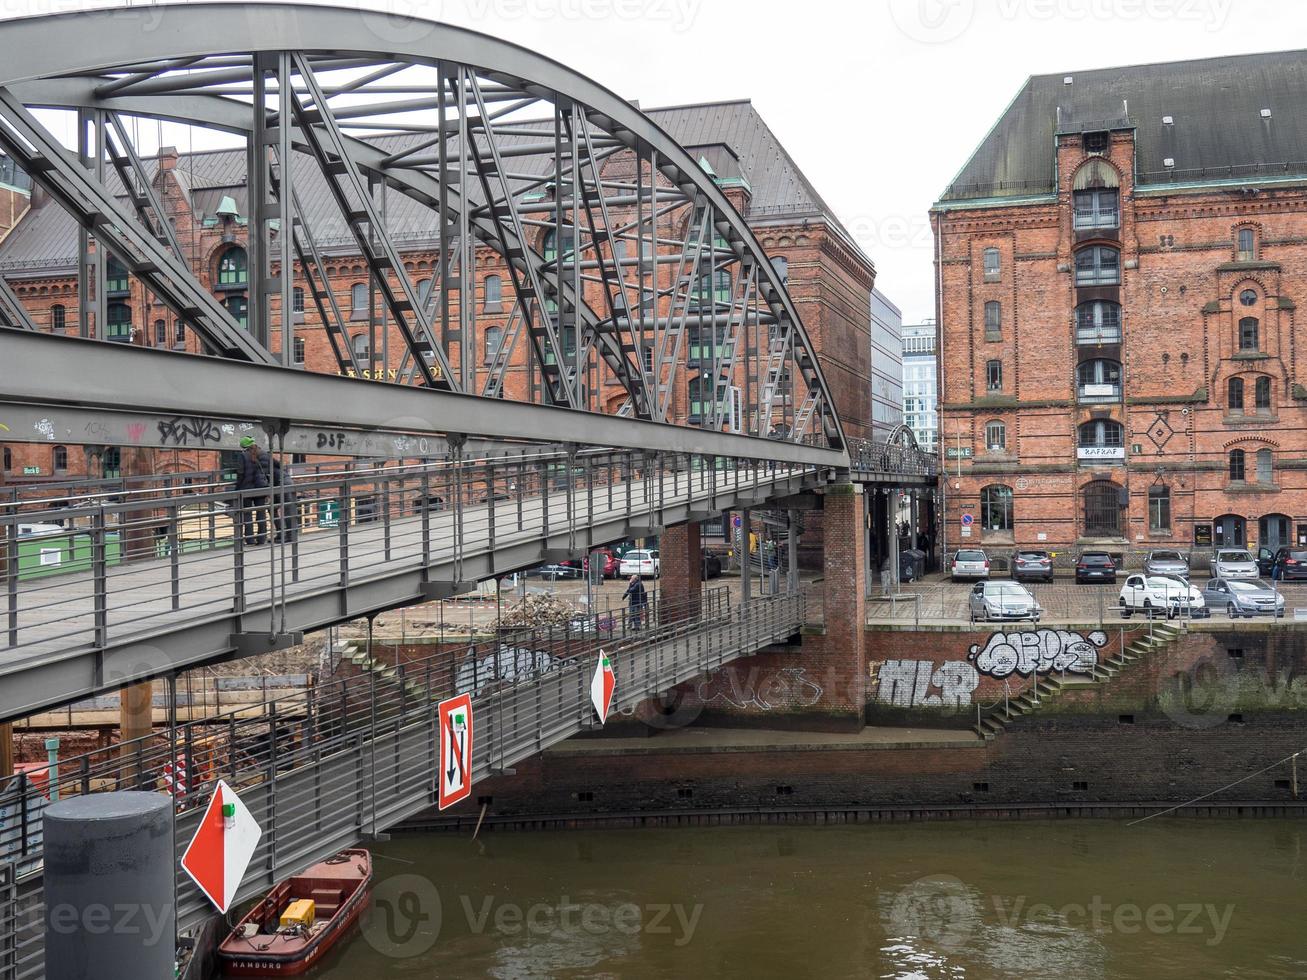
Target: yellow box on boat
(300, 912)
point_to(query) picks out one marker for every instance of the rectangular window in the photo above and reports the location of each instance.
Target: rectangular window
(993, 265)
(298, 350)
(1247, 245)
(1098, 266)
(994, 376)
(993, 321)
(995, 436)
(1159, 509)
(1096, 208)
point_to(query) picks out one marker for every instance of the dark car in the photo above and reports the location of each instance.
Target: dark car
(712, 565)
(1095, 566)
(1290, 565)
(430, 503)
(1032, 565)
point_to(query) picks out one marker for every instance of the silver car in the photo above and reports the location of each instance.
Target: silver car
(1167, 563)
(969, 563)
(995, 601)
(1233, 563)
(1242, 597)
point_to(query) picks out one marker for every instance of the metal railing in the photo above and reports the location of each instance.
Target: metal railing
(889, 460)
(148, 561)
(324, 768)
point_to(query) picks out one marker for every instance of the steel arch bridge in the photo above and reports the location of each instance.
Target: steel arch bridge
(505, 154)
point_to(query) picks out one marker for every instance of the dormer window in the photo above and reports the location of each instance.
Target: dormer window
(1097, 142)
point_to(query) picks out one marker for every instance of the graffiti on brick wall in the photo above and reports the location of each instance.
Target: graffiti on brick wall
(507, 664)
(787, 687)
(1042, 651)
(920, 684)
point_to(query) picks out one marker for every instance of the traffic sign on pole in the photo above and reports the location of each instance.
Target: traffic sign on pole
(455, 775)
(220, 852)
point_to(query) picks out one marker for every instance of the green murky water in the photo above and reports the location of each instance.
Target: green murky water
(1177, 898)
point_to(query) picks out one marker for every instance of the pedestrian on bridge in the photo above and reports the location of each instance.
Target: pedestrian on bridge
(638, 598)
(253, 481)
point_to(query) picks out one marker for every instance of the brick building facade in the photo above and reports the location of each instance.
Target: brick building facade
(204, 193)
(1118, 270)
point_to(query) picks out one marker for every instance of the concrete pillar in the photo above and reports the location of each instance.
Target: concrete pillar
(680, 557)
(106, 853)
(844, 523)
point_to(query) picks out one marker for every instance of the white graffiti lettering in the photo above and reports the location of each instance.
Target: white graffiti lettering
(506, 665)
(907, 684)
(788, 686)
(1038, 651)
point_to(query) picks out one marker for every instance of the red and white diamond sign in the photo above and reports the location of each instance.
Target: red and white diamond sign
(601, 687)
(220, 852)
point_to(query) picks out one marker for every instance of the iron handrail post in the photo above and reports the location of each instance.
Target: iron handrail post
(100, 576)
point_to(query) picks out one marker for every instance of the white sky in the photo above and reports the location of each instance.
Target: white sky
(879, 102)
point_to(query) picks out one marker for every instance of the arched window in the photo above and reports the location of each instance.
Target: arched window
(362, 348)
(494, 337)
(996, 509)
(782, 266)
(993, 320)
(233, 268)
(424, 292)
(494, 294)
(995, 436)
(1237, 461)
(1159, 509)
(1234, 394)
(1262, 394)
(1098, 323)
(1248, 334)
(1265, 467)
(111, 463)
(115, 278)
(58, 318)
(1246, 250)
(160, 333)
(993, 265)
(118, 322)
(60, 459)
(238, 306)
(1098, 265)
(358, 301)
(1102, 434)
(1102, 500)
(1099, 381)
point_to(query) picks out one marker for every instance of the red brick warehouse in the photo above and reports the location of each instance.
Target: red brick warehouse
(1118, 270)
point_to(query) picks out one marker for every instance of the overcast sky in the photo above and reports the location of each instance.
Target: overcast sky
(879, 102)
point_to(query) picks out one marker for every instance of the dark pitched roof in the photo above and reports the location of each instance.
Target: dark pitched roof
(1218, 131)
(45, 239)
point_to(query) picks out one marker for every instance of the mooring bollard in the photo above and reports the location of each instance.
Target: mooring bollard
(109, 912)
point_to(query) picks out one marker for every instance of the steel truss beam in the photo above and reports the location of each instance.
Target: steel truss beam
(217, 50)
(163, 382)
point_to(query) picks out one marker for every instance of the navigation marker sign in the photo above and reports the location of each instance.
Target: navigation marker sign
(601, 687)
(455, 775)
(220, 852)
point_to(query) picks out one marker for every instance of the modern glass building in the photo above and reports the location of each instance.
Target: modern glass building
(920, 384)
(886, 366)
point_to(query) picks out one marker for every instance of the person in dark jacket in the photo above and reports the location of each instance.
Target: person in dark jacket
(252, 481)
(285, 508)
(639, 601)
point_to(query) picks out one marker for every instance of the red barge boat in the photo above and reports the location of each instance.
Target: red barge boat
(293, 927)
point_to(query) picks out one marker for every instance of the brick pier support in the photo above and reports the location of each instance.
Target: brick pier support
(842, 651)
(681, 559)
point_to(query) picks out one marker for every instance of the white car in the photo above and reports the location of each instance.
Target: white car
(1233, 563)
(1158, 593)
(642, 563)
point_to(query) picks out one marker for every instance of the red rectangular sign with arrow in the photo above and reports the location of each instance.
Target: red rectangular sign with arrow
(455, 760)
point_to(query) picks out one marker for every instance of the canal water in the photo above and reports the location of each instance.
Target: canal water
(1084, 899)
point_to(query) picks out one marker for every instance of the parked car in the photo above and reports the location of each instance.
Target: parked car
(612, 565)
(555, 570)
(712, 566)
(1266, 562)
(970, 563)
(990, 601)
(1242, 597)
(1095, 566)
(1167, 563)
(1032, 565)
(1289, 565)
(642, 563)
(1149, 594)
(1232, 563)
(430, 503)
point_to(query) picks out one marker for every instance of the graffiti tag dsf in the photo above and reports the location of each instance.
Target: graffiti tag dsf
(1041, 651)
